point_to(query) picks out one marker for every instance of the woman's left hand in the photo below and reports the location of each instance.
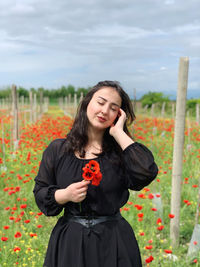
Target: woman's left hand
(119, 125)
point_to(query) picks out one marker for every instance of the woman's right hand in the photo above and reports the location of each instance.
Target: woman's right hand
(75, 192)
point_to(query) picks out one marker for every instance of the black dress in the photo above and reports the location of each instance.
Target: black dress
(107, 244)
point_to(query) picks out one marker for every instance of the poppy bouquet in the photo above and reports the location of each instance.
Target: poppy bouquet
(91, 172)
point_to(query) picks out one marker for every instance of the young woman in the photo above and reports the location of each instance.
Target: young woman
(92, 232)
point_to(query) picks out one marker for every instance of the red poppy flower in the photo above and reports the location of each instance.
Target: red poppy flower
(153, 209)
(17, 249)
(141, 196)
(168, 251)
(23, 206)
(33, 234)
(150, 196)
(86, 167)
(160, 228)
(142, 233)
(96, 179)
(159, 220)
(88, 175)
(171, 216)
(94, 166)
(4, 238)
(149, 247)
(18, 234)
(91, 172)
(138, 207)
(149, 259)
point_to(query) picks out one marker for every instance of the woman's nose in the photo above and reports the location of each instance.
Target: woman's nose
(105, 109)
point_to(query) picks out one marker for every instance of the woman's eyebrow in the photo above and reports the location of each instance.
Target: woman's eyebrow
(107, 100)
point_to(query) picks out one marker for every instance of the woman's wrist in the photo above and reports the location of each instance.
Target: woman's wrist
(122, 139)
(61, 196)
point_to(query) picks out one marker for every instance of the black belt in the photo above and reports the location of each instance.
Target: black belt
(89, 221)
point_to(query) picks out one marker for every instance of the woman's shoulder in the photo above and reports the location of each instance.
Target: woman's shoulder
(56, 145)
(57, 142)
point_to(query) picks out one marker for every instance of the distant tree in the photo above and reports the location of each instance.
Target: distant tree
(81, 90)
(153, 97)
(33, 90)
(5, 93)
(191, 105)
(22, 92)
(63, 91)
(70, 90)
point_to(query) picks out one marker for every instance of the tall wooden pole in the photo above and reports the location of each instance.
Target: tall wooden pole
(178, 149)
(41, 103)
(197, 114)
(15, 116)
(31, 106)
(134, 99)
(34, 107)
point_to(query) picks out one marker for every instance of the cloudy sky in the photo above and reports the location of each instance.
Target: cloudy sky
(137, 42)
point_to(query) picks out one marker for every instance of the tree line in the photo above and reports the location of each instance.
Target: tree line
(50, 93)
(147, 99)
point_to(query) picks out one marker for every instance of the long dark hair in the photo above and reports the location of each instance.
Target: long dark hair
(78, 136)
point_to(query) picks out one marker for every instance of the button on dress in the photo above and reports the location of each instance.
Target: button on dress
(107, 244)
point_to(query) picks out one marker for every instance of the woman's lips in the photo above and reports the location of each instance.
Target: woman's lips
(101, 119)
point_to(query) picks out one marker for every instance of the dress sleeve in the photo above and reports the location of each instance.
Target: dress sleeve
(140, 167)
(45, 182)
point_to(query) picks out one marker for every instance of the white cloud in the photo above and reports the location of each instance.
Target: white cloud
(136, 42)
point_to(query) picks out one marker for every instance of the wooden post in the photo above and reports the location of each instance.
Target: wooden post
(3, 168)
(81, 97)
(173, 109)
(152, 110)
(75, 100)
(178, 149)
(15, 116)
(163, 109)
(41, 103)
(70, 98)
(31, 106)
(197, 114)
(34, 107)
(134, 99)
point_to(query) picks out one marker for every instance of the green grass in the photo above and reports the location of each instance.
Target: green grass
(20, 175)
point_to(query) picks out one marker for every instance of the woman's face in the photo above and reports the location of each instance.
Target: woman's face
(103, 108)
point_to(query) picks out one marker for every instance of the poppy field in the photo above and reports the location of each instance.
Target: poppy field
(25, 231)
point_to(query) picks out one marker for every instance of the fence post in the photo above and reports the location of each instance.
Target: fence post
(31, 106)
(81, 97)
(197, 114)
(163, 109)
(34, 107)
(173, 109)
(15, 116)
(75, 100)
(41, 103)
(134, 99)
(153, 110)
(178, 149)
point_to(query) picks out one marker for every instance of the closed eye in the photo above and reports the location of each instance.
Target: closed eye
(100, 103)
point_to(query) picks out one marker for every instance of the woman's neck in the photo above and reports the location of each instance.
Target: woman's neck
(95, 137)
